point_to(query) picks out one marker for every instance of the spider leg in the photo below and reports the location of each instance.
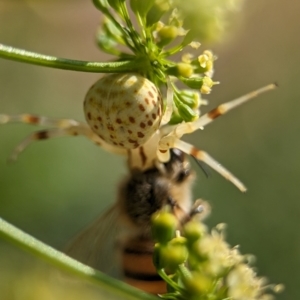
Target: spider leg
(172, 142)
(37, 120)
(62, 127)
(189, 127)
(169, 107)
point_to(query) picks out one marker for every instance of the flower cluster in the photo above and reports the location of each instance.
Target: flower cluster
(160, 30)
(198, 264)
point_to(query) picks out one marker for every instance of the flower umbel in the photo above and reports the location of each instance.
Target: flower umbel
(201, 265)
(160, 33)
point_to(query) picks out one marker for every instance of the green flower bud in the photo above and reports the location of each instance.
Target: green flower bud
(197, 285)
(184, 70)
(193, 83)
(172, 255)
(168, 32)
(156, 257)
(181, 70)
(190, 98)
(175, 119)
(163, 226)
(193, 231)
(186, 113)
(157, 11)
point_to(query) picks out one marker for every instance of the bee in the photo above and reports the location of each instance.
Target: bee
(119, 242)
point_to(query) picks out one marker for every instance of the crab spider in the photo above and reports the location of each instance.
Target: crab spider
(158, 142)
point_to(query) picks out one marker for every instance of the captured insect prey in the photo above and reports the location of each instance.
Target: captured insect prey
(119, 242)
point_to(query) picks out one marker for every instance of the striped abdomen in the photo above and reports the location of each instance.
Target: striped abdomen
(138, 267)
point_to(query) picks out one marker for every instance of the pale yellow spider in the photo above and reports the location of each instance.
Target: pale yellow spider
(125, 116)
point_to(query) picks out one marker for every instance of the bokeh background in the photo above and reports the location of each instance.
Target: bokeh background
(59, 186)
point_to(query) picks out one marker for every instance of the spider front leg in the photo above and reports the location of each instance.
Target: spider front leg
(171, 141)
(62, 127)
(190, 127)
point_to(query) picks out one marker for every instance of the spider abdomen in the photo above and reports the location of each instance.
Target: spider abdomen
(124, 109)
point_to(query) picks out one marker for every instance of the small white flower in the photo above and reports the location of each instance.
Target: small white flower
(243, 284)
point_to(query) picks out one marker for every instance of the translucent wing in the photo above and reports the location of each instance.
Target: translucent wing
(98, 245)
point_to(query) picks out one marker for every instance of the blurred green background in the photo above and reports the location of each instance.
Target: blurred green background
(59, 186)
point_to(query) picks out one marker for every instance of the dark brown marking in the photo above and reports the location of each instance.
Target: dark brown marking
(150, 123)
(141, 107)
(32, 119)
(42, 135)
(110, 127)
(140, 134)
(162, 151)
(158, 111)
(147, 116)
(142, 125)
(129, 131)
(89, 116)
(99, 119)
(131, 141)
(127, 103)
(95, 126)
(121, 144)
(147, 101)
(214, 113)
(154, 116)
(150, 94)
(75, 133)
(144, 159)
(119, 121)
(132, 119)
(116, 144)
(112, 137)
(154, 103)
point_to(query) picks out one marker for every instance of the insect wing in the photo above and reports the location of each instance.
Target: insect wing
(97, 245)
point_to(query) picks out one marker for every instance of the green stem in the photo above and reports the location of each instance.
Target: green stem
(169, 281)
(16, 54)
(66, 263)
